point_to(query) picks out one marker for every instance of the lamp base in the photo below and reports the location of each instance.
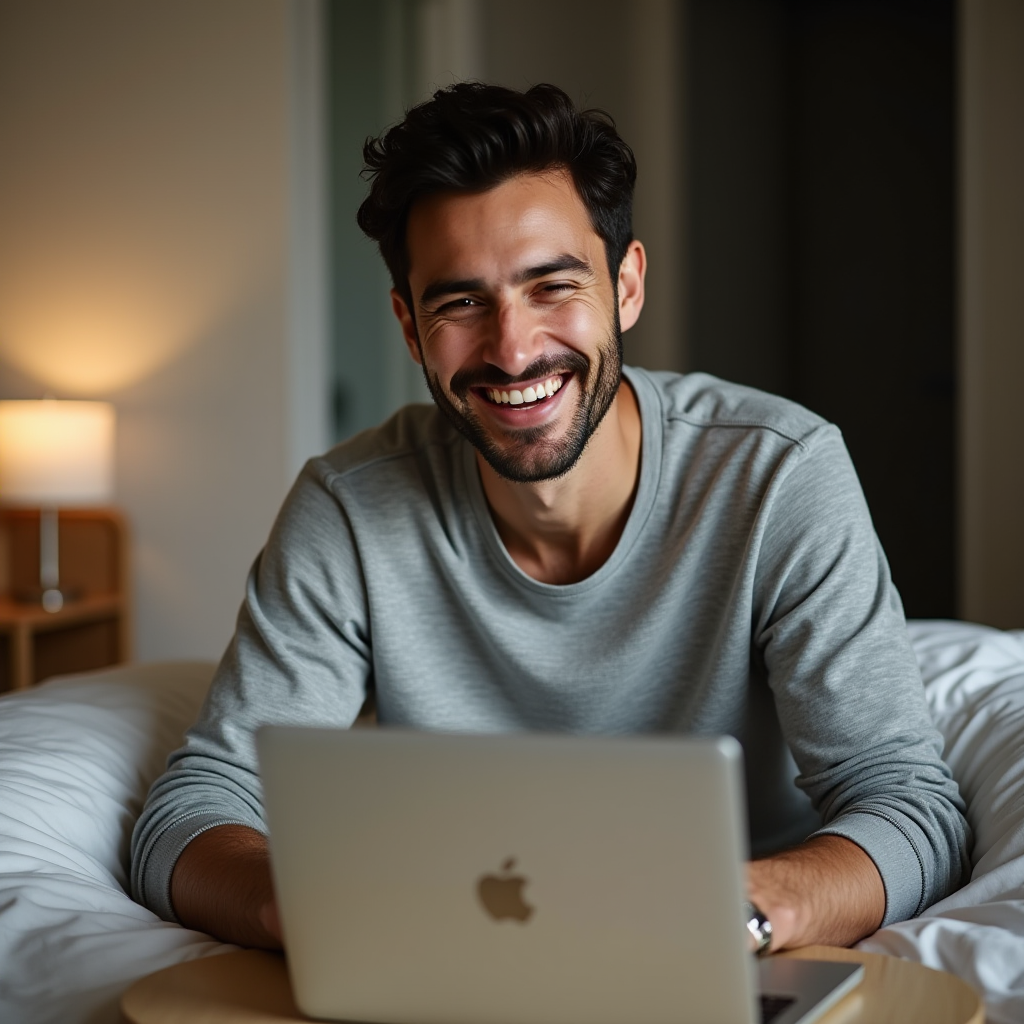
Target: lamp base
(52, 599)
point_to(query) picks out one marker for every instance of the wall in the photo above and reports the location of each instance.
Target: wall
(822, 242)
(158, 248)
(376, 55)
(992, 312)
(144, 259)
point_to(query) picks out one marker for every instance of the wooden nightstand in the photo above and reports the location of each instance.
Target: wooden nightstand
(89, 632)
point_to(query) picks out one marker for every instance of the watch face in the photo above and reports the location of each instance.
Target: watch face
(759, 926)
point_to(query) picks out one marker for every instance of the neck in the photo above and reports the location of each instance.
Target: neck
(562, 531)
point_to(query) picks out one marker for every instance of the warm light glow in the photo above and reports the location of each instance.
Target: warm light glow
(117, 259)
(56, 453)
(93, 336)
(77, 349)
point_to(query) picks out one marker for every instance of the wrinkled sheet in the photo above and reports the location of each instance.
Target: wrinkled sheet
(77, 757)
(974, 678)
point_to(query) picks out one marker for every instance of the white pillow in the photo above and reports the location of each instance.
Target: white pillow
(77, 757)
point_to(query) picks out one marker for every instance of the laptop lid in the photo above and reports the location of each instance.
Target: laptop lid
(426, 878)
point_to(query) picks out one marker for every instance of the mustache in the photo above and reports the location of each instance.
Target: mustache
(492, 377)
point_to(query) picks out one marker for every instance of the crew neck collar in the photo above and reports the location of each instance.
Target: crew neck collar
(652, 425)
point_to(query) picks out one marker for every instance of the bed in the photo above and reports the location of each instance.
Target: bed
(77, 756)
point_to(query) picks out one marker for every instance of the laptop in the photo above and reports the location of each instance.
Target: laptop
(427, 878)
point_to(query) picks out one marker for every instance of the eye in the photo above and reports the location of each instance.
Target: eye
(462, 305)
(555, 290)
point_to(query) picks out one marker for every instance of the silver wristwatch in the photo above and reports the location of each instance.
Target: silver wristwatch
(759, 927)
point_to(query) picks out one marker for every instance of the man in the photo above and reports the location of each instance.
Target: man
(559, 546)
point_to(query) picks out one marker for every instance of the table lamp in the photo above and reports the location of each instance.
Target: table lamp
(55, 454)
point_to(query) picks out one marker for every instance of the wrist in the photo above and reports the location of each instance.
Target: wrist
(222, 885)
(827, 890)
(771, 896)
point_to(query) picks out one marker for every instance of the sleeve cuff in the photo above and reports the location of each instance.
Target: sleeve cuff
(894, 844)
(154, 887)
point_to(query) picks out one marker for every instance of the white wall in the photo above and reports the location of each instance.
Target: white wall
(992, 312)
(144, 258)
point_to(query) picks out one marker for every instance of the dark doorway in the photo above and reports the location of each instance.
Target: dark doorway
(821, 212)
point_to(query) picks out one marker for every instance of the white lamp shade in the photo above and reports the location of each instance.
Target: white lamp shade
(56, 453)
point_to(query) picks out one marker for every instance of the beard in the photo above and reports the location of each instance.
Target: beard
(532, 453)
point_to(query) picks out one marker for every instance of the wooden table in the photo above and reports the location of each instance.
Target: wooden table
(251, 987)
(898, 991)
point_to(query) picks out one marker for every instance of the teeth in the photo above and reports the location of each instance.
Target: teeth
(531, 394)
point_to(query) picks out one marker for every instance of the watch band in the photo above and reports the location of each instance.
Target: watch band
(759, 927)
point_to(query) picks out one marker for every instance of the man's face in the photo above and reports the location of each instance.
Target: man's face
(516, 321)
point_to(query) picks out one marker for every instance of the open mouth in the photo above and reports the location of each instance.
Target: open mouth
(530, 395)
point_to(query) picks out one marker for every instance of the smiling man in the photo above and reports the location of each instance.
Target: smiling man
(512, 311)
(562, 544)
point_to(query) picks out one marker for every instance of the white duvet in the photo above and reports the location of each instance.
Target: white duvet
(77, 757)
(76, 760)
(974, 678)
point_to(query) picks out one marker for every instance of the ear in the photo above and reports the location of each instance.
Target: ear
(405, 318)
(632, 271)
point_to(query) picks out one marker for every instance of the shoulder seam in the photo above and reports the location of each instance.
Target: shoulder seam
(747, 425)
(330, 474)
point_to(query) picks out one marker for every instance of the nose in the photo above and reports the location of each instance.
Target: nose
(514, 338)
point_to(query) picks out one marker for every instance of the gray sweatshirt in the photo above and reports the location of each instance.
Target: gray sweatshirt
(747, 595)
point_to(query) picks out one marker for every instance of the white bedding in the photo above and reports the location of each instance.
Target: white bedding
(77, 756)
(974, 678)
(76, 760)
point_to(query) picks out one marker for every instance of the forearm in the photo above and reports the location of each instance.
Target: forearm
(222, 885)
(826, 891)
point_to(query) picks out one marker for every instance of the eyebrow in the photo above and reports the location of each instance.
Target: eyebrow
(559, 264)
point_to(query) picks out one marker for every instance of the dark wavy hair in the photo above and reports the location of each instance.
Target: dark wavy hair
(471, 137)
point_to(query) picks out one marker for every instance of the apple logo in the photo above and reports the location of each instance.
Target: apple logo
(502, 895)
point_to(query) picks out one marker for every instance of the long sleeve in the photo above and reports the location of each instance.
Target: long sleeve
(846, 685)
(300, 655)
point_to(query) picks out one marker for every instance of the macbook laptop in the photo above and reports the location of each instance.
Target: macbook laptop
(428, 878)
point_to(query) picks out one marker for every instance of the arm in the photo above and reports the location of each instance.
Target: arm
(849, 699)
(826, 890)
(300, 655)
(221, 885)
